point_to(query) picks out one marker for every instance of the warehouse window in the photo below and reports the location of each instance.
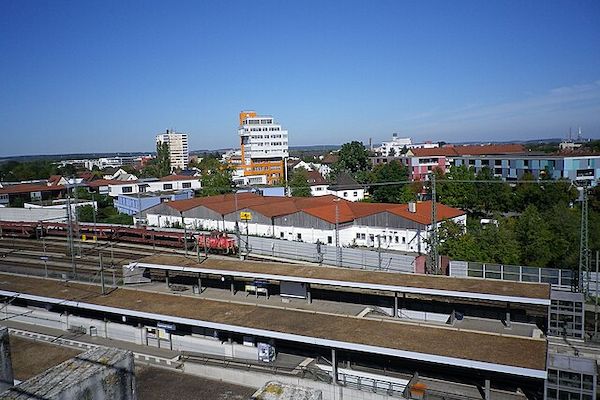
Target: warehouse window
(299, 236)
(329, 240)
(358, 235)
(127, 189)
(281, 235)
(167, 186)
(186, 185)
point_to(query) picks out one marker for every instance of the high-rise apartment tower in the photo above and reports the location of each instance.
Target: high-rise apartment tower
(178, 148)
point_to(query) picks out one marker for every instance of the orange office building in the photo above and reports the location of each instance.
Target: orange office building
(264, 147)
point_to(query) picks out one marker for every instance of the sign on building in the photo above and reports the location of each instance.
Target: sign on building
(245, 216)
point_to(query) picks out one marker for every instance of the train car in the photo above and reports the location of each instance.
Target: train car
(176, 239)
(18, 229)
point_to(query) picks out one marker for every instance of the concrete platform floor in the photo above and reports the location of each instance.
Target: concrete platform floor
(250, 298)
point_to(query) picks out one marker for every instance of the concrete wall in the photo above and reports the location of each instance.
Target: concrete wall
(137, 335)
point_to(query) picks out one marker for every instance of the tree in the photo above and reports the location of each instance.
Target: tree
(460, 193)
(391, 172)
(161, 165)
(85, 213)
(493, 196)
(564, 223)
(535, 237)
(299, 183)
(21, 171)
(490, 243)
(456, 243)
(352, 158)
(217, 181)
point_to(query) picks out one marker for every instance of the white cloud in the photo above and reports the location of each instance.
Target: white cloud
(549, 114)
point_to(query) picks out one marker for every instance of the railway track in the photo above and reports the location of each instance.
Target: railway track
(51, 257)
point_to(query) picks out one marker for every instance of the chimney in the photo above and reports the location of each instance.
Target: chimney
(412, 207)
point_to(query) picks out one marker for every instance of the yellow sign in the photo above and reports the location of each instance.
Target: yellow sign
(245, 216)
(85, 238)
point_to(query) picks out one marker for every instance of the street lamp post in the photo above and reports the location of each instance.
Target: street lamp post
(338, 250)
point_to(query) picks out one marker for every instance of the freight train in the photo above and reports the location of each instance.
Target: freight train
(218, 242)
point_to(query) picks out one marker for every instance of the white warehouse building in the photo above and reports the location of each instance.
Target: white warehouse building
(402, 227)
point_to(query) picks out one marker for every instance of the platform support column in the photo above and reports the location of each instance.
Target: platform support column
(508, 315)
(487, 390)
(395, 314)
(308, 294)
(232, 284)
(167, 277)
(199, 283)
(334, 367)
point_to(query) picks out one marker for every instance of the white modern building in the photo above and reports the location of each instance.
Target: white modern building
(112, 162)
(402, 227)
(168, 183)
(322, 169)
(178, 148)
(263, 147)
(397, 145)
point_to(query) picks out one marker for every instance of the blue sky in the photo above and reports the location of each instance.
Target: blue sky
(83, 76)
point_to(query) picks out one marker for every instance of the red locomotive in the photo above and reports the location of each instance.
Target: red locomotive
(217, 242)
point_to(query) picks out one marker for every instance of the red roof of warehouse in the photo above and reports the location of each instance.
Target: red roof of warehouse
(323, 207)
(188, 204)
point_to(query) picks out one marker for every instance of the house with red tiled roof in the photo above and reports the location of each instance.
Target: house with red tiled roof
(30, 192)
(318, 184)
(400, 227)
(57, 180)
